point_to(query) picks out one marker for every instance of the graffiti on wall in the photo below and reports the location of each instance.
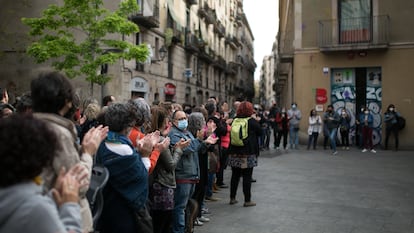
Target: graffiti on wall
(343, 95)
(374, 101)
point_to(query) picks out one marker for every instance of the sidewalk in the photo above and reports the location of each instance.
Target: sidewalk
(303, 191)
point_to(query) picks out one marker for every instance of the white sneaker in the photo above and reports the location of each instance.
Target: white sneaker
(335, 153)
(197, 222)
(364, 150)
(204, 219)
(373, 151)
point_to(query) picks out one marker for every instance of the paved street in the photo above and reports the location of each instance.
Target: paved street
(302, 191)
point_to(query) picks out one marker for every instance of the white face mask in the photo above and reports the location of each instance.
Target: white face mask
(391, 109)
(366, 112)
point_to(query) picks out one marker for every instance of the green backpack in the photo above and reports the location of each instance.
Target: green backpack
(239, 131)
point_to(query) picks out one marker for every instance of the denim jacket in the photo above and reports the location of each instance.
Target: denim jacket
(187, 167)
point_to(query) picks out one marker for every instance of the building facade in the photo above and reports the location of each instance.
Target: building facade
(198, 49)
(268, 74)
(349, 53)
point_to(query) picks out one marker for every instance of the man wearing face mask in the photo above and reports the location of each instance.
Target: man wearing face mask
(294, 116)
(187, 171)
(367, 120)
(391, 125)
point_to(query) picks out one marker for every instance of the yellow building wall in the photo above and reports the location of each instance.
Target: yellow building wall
(397, 82)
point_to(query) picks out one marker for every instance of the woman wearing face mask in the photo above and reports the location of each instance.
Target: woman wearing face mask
(391, 125)
(315, 125)
(344, 127)
(367, 120)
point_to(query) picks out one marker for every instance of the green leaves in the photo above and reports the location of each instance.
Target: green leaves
(78, 37)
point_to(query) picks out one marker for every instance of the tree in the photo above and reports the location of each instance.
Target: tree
(75, 37)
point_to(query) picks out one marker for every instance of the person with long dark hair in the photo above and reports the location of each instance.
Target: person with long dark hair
(53, 99)
(163, 183)
(315, 126)
(391, 125)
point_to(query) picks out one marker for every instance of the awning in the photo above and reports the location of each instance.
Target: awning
(178, 12)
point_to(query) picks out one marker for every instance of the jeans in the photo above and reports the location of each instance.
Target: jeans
(332, 138)
(293, 137)
(210, 183)
(183, 192)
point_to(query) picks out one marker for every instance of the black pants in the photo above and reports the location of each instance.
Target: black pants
(281, 133)
(223, 164)
(247, 182)
(394, 130)
(313, 139)
(162, 220)
(275, 136)
(199, 195)
(345, 137)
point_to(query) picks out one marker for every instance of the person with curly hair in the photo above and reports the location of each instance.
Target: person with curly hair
(142, 125)
(23, 207)
(54, 102)
(242, 159)
(126, 192)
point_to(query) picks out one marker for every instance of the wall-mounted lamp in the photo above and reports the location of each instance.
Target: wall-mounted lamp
(162, 52)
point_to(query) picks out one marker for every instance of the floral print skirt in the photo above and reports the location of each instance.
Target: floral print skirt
(242, 161)
(162, 198)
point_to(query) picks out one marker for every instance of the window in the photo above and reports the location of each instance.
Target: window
(355, 20)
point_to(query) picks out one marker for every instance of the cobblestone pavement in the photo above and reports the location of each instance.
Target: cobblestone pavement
(301, 191)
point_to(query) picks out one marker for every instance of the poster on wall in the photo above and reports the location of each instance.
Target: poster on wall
(374, 101)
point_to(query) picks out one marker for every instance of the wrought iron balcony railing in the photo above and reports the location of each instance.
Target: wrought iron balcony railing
(148, 14)
(354, 33)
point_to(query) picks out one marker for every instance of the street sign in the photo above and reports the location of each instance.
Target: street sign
(188, 73)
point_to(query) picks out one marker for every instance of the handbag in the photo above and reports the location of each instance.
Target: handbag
(401, 122)
(144, 221)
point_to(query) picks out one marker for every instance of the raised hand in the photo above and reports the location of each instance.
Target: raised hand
(161, 146)
(93, 139)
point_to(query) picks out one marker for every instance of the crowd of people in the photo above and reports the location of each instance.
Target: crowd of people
(335, 124)
(165, 161)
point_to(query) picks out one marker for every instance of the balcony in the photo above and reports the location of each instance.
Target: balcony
(364, 33)
(232, 68)
(208, 14)
(286, 50)
(219, 29)
(233, 42)
(220, 63)
(178, 36)
(192, 43)
(207, 55)
(148, 14)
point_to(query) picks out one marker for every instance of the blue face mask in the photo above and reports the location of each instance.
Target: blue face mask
(182, 124)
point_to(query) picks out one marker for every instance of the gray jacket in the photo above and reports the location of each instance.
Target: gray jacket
(25, 209)
(164, 172)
